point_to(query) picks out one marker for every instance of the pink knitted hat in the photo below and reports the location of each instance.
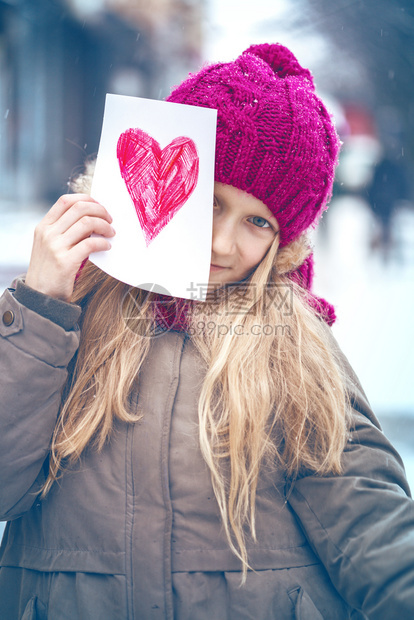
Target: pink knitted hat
(275, 139)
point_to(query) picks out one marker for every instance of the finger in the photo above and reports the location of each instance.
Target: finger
(76, 212)
(84, 248)
(84, 228)
(64, 203)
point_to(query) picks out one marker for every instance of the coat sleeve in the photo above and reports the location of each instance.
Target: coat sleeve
(361, 523)
(34, 354)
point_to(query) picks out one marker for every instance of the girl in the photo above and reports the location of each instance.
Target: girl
(230, 467)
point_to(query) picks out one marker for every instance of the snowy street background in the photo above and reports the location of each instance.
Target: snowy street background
(374, 301)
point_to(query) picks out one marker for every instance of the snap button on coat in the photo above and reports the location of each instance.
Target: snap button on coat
(8, 318)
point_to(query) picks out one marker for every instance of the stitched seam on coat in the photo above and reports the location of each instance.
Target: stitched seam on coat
(16, 544)
(129, 543)
(164, 449)
(325, 530)
(34, 357)
(179, 549)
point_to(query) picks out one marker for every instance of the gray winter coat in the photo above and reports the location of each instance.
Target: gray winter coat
(134, 532)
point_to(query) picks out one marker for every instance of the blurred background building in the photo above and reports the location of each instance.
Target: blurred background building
(58, 59)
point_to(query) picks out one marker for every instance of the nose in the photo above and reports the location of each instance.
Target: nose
(224, 236)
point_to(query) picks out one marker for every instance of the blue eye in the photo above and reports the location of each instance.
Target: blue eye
(260, 222)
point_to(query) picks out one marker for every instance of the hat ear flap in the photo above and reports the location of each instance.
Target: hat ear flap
(303, 275)
(281, 60)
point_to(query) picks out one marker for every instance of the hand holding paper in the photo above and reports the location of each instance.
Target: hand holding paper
(62, 241)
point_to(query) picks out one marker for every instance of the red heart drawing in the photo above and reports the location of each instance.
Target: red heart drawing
(159, 181)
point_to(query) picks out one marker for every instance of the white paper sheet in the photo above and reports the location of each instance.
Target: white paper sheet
(169, 142)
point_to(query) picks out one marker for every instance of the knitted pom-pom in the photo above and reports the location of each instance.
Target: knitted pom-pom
(303, 276)
(280, 59)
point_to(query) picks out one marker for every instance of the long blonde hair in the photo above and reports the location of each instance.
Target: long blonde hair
(277, 395)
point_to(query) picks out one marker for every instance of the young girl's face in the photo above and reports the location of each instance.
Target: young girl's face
(243, 231)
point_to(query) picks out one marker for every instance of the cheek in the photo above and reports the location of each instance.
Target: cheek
(255, 253)
(256, 250)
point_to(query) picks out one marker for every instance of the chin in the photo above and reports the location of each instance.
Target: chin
(215, 284)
